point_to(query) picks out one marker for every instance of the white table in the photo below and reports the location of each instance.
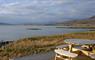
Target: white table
(72, 42)
(78, 42)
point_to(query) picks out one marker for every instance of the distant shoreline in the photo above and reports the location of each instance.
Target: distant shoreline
(78, 27)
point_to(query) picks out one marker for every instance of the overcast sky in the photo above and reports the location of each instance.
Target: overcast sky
(45, 11)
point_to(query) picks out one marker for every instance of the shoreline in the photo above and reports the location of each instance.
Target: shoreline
(3, 43)
(78, 27)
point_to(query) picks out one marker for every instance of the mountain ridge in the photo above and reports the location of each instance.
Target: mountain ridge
(1, 23)
(86, 22)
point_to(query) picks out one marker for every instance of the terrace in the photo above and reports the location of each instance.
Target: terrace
(77, 49)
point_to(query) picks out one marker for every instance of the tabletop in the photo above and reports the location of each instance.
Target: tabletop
(79, 41)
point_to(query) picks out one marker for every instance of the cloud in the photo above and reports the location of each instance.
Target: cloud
(33, 10)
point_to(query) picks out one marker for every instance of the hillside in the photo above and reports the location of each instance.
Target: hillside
(85, 22)
(4, 23)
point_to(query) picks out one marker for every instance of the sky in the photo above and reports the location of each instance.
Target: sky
(45, 11)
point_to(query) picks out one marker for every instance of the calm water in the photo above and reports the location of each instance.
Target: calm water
(14, 32)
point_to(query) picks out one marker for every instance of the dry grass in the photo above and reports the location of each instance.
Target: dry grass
(29, 46)
(81, 35)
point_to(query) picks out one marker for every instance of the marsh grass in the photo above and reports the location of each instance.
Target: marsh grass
(30, 45)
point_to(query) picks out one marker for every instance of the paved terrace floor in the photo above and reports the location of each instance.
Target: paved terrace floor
(45, 56)
(50, 56)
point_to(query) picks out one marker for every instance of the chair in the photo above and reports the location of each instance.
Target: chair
(61, 52)
(92, 55)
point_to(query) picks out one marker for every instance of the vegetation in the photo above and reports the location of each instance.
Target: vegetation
(34, 45)
(29, 46)
(81, 35)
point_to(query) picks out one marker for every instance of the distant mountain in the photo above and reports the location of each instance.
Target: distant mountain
(4, 23)
(85, 22)
(92, 18)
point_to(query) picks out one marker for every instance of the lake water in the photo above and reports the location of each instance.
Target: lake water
(14, 32)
